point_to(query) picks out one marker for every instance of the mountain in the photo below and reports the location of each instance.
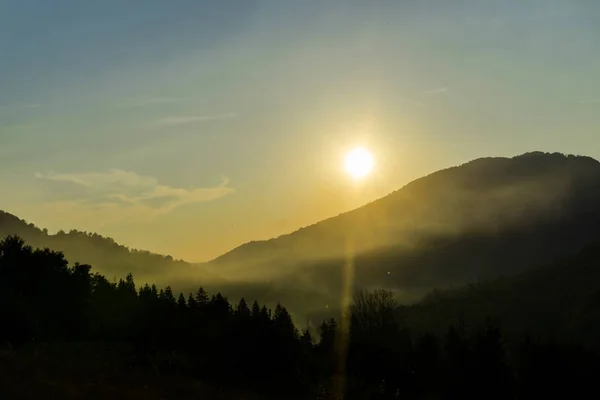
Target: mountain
(559, 301)
(480, 220)
(106, 256)
(488, 217)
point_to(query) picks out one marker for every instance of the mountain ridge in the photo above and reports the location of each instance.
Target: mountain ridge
(486, 217)
(245, 250)
(102, 252)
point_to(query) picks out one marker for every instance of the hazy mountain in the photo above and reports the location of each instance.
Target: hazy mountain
(560, 300)
(106, 256)
(488, 217)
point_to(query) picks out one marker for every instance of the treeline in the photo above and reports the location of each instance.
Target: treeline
(369, 354)
(104, 253)
(43, 299)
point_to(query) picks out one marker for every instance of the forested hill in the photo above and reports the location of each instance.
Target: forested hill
(559, 301)
(488, 217)
(107, 256)
(69, 333)
(482, 219)
(483, 196)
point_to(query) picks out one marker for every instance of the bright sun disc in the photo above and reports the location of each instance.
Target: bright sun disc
(358, 162)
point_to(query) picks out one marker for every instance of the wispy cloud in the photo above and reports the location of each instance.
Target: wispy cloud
(597, 101)
(439, 90)
(150, 101)
(124, 195)
(176, 120)
(429, 95)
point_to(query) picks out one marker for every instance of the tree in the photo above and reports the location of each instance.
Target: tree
(220, 305)
(127, 286)
(167, 296)
(201, 297)
(81, 297)
(378, 352)
(192, 303)
(306, 340)
(145, 294)
(328, 332)
(181, 303)
(255, 310)
(265, 314)
(283, 323)
(242, 310)
(372, 315)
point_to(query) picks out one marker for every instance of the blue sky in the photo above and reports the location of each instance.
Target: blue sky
(190, 127)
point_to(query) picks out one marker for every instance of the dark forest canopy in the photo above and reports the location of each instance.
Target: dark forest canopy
(479, 220)
(109, 257)
(153, 336)
(560, 300)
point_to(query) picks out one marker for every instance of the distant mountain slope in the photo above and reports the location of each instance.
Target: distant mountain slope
(485, 218)
(105, 255)
(488, 217)
(559, 301)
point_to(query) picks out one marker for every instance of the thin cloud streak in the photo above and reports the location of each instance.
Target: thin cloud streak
(150, 101)
(132, 196)
(176, 120)
(436, 91)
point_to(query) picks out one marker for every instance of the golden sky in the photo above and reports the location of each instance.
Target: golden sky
(190, 130)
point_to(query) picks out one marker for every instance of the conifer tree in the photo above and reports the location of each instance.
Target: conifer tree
(201, 297)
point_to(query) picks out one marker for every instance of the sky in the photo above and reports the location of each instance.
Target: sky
(189, 127)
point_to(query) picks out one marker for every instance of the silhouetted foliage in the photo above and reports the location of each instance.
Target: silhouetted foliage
(201, 297)
(486, 217)
(374, 356)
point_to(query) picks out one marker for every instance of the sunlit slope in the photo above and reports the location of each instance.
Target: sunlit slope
(488, 216)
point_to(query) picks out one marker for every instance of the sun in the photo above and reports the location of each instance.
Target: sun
(358, 162)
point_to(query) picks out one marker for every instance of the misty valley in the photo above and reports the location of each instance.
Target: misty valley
(299, 200)
(477, 281)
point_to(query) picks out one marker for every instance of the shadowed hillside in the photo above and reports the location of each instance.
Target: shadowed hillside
(70, 333)
(488, 217)
(484, 196)
(109, 257)
(560, 301)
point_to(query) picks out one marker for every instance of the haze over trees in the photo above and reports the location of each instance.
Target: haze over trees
(111, 258)
(477, 221)
(528, 316)
(119, 338)
(299, 200)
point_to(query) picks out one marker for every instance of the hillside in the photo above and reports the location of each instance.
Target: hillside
(559, 301)
(69, 333)
(105, 255)
(485, 195)
(488, 217)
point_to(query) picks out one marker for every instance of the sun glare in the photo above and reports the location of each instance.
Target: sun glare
(358, 162)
